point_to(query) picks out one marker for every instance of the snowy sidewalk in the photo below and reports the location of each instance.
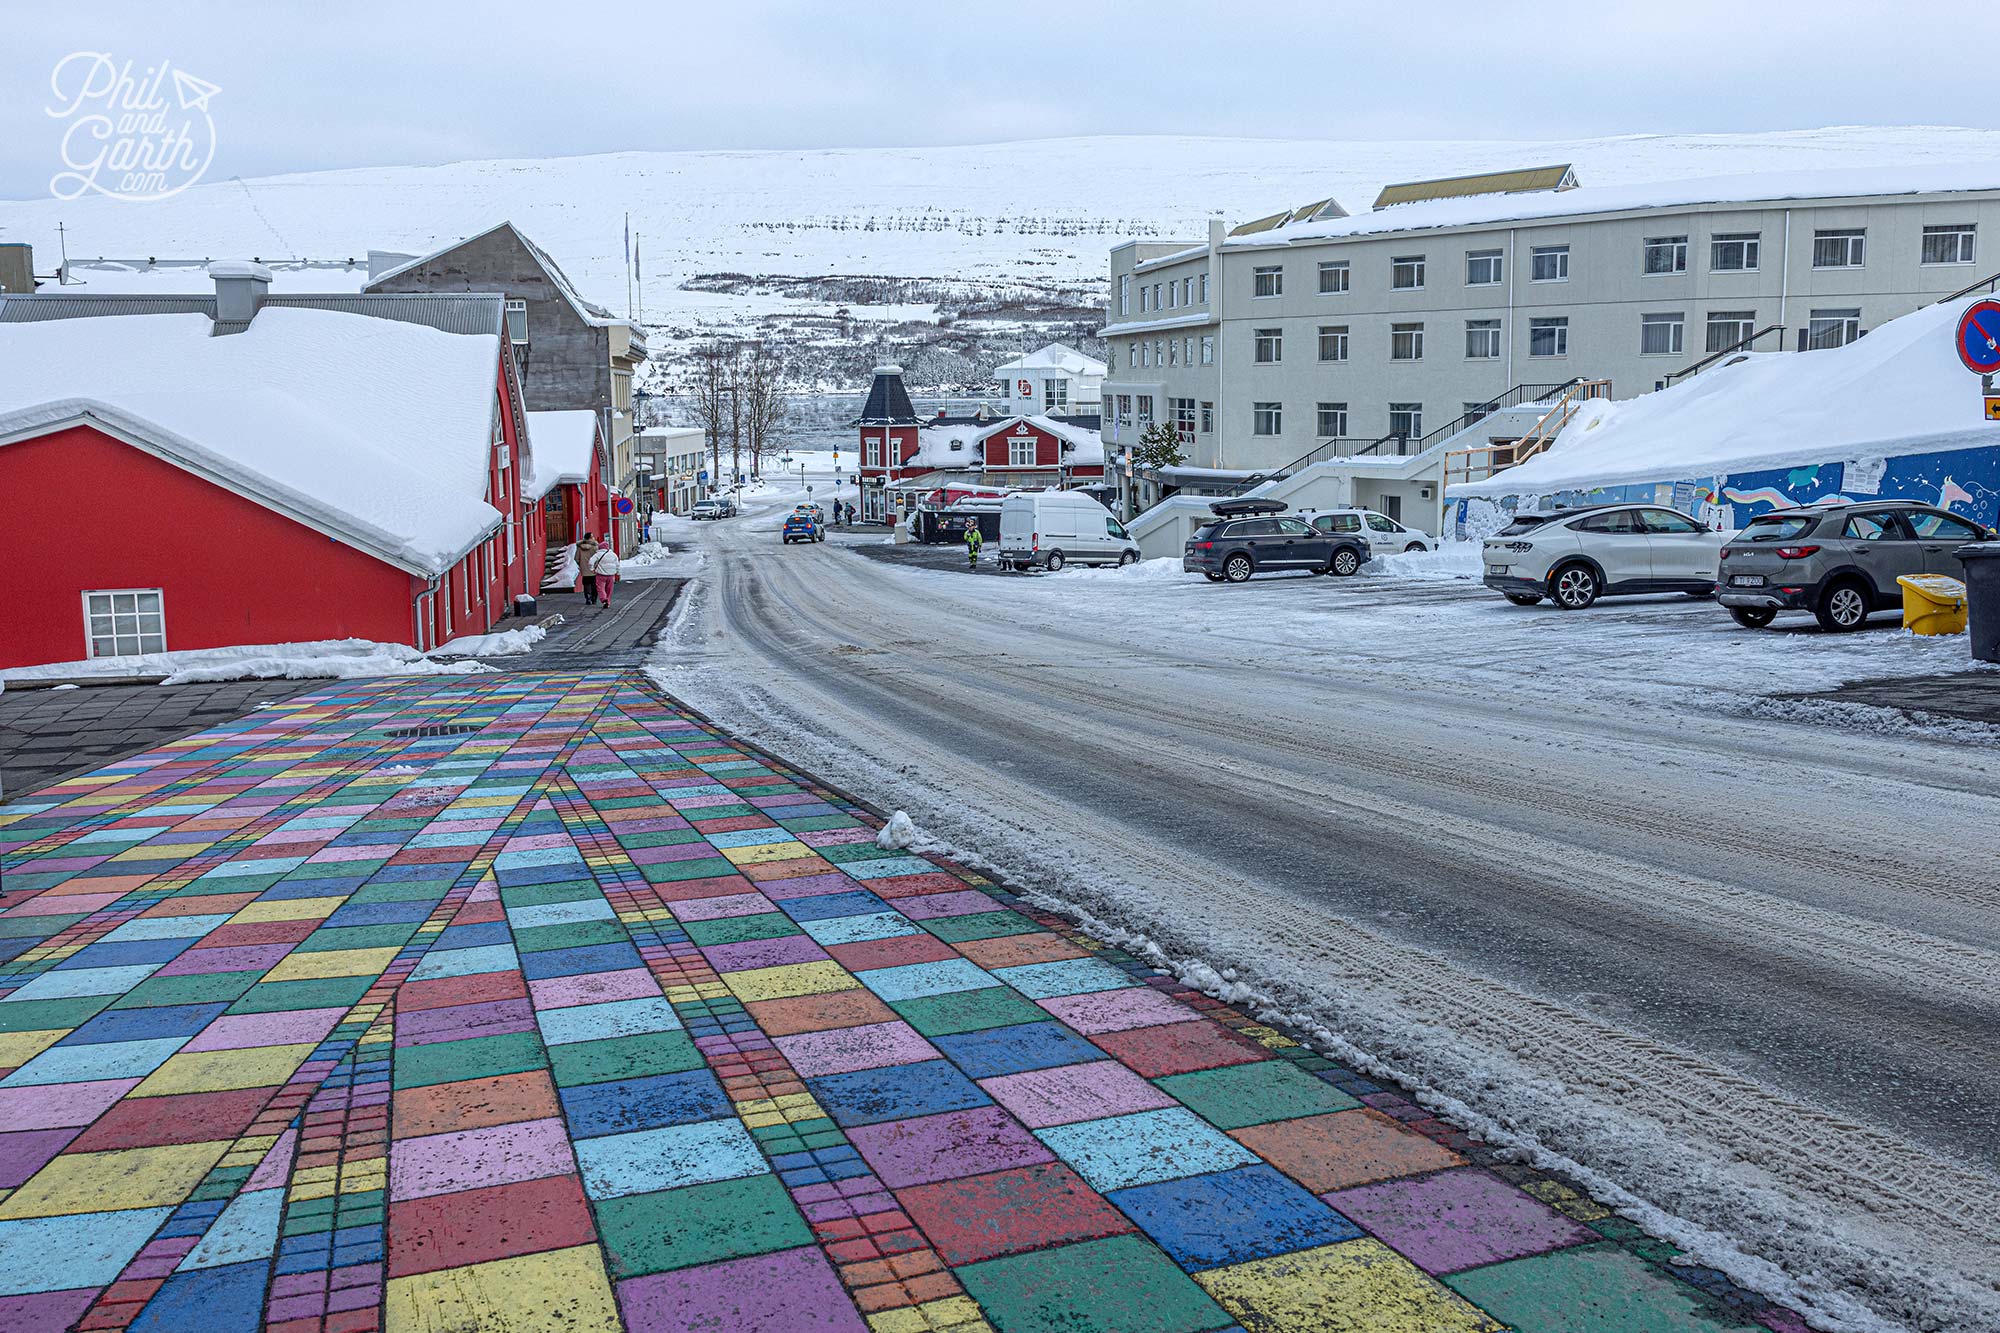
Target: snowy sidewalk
(530, 1000)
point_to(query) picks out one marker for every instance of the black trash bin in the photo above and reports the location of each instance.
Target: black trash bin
(1982, 597)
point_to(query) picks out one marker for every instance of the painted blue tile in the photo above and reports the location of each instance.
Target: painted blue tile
(440, 963)
(559, 914)
(378, 914)
(246, 1230)
(1016, 1049)
(615, 1018)
(167, 1020)
(869, 1096)
(1121, 1151)
(478, 935)
(1230, 1217)
(228, 1299)
(619, 1107)
(888, 867)
(85, 981)
(577, 961)
(123, 954)
(165, 928)
(912, 980)
(1071, 976)
(854, 929)
(95, 1247)
(832, 905)
(667, 1157)
(106, 1059)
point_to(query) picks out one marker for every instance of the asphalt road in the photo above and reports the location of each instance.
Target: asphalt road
(1705, 958)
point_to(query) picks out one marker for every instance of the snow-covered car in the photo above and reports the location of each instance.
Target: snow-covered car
(720, 506)
(804, 524)
(1574, 556)
(1384, 535)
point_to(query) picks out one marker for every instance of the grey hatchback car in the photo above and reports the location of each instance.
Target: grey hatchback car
(1839, 561)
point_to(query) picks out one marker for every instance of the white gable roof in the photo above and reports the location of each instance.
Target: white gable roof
(1899, 390)
(1056, 356)
(376, 431)
(562, 445)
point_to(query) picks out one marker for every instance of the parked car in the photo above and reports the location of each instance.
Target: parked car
(1233, 549)
(718, 506)
(1385, 536)
(1053, 528)
(1573, 557)
(1839, 562)
(805, 524)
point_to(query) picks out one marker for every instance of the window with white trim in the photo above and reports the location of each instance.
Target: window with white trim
(1055, 395)
(1124, 409)
(1549, 336)
(1187, 351)
(1333, 277)
(1270, 346)
(871, 448)
(1662, 334)
(1132, 355)
(1020, 451)
(1268, 280)
(1208, 349)
(125, 622)
(1949, 244)
(1839, 249)
(1124, 293)
(1146, 355)
(1267, 418)
(1548, 263)
(1333, 342)
(1330, 420)
(1156, 298)
(517, 322)
(1173, 351)
(1406, 273)
(1734, 251)
(1184, 417)
(1145, 298)
(1726, 328)
(1483, 268)
(1173, 294)
(1207, 418)
(1482, 339)
(1406, 342)
(1665, 255)
(1187, 291)
(1832, 328)
(1406, 419)
(1204, 286)
(1145, 406)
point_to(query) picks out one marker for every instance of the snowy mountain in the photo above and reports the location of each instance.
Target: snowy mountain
(864, 251)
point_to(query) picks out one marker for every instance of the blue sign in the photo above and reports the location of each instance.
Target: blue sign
(701, 475)
(1979, 337)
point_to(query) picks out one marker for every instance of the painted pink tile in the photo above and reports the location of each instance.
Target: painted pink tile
(235, 1032)
(60, 1105)
(470, 1158)
(631, 983)
(1117, 1010)
(843, 1050)
(1069, 1093)
(929, 906)
(729, 904)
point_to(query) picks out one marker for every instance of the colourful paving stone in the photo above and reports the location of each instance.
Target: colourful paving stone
(590, 1017)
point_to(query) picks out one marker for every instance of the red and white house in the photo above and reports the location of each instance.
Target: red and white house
(256, 469)
(567, 483)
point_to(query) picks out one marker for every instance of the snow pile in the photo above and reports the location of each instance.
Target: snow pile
(899, 834)
(1452, 560)
(324, 659)
(377, 430)
(504, 643)
(1899, 390)
(649, 553)
(1166, 569)
(562, 447)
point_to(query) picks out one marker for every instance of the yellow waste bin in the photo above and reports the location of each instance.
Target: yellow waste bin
(1933, 604)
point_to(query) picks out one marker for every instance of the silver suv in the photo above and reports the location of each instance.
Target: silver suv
(1839, 562)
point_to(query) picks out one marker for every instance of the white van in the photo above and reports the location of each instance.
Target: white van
(1055, 528)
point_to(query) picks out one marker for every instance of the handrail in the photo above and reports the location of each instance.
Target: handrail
(1674, 377)
(1989, 282)
(1459, 464)
(1519, 393)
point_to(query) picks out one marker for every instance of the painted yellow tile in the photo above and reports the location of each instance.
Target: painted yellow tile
(125, 1178)
(774, 851)
(777, 983)
(331, 963)
(559, 1291)
(289, 909)
(311, 1189)
(220, 1071)
(17, 1048)
(1357, 1286)
(1562, 1197)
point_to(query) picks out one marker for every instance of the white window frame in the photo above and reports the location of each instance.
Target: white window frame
(1144, 410)
(1496, 260)
(1055, 394)
(1751, 244)
(1132, 355)
(1555, 325)
(1267, 346)
(1333, 338)
(1413, 265)
(1267, 419)
(1208, 349)
(1146, 355)
(1744, 327)
(1558, 257)
(1413, 423)
(1124, 417)
(1321, 413)
(138, 615)
(1124, 293)
(1677, 248)
(516, 306)
(1264, 276)
(1482, 339)
(1406, 338)
(1173, 294)
(1848, 244)
(1184, 417)
(1173, 351)
(871, 452)
(1965, 233)
(1336, 277)
(1845, 319)
(1187, 291)
(1204, 286)
(1676, 320)
(1207, 418)
(1021, 450)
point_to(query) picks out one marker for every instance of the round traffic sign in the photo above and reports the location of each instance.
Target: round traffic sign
(1979, 337)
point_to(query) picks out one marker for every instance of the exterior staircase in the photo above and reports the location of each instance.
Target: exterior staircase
(552, 569)
(1483, 460)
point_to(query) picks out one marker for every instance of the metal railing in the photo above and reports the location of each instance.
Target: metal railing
(1989, 282)
(1483, 460)
(1740, 345)
(1514, 397)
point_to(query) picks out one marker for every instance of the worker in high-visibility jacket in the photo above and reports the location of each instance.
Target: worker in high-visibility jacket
(973, 539)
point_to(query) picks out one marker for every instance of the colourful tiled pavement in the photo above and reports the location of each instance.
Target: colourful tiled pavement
(581, 1016)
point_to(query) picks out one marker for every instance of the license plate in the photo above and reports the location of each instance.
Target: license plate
(1496, 569)
(1746, 580)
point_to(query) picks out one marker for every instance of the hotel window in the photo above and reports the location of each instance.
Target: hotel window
(1662, 335)
(1132, 355)
(1267, 418)
(1726, 328)
(1549, 263)
(125, 623)
(1267, 281)
(1125, 293)
(1156, 298)
(1407, 273)
(1184, 417)
(1124, 409)
(1207, 418)
(517, 323)
(1832, 328)
(1333, 342)
(1159, 353)
(1187, 351)
(1949, 244)
(1187, 291)
(1146, 355)
(1406, 342)
(1020, 452)
(1208, 349)
(1270, 346)
(1173, 295)
(1145, 418)
(1482, 339)
(1331, 421)
(1734, 252)
(1665, 254)
(1145, 298)
(1333, 277)
(1839, 249)
(1055, 395)
(1204, 287)
(1483, 268)
(1173, 351)
(1549, 337)
(1406, 419)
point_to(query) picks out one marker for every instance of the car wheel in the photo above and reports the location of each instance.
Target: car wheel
(1125, 558)
(1055, 561)
(1842, 607)
(1344, 562)
(1573, 587)
(1521, 598)
(1415, 546)
(1237, 568)
(1752, 617)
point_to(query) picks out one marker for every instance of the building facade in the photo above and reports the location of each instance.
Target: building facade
(670, 468)
(1056, 380)
(573, 354)
(1301, 338)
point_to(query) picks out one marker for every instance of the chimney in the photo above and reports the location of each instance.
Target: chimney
(240, 288)
(1218, 231)
(17, 269)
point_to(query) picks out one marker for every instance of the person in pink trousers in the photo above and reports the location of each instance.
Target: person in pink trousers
(604, 569)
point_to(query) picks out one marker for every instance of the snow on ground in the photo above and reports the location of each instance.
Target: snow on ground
(502, 643)
(330, 659)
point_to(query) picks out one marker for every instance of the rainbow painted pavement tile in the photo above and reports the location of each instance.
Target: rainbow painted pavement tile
(534, 1002)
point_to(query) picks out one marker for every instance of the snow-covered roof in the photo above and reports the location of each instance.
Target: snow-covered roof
(1055, 356)
(1899, 390)
(588, 311)
(1752, 187)
(934, 442)
(376, 431)
(562, 445)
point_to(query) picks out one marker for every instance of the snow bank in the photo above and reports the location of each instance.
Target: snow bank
(1166, 569)
(505, 643)
(1452, 560)
(330, 659)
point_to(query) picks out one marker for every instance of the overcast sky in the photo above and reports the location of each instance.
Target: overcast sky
(361, 83)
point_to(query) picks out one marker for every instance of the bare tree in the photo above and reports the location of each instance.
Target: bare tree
(714, 395)
(767, 408)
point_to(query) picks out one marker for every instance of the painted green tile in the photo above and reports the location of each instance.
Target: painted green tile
(669, 871)
(561, 891)
(569, 935)
(621, 1057)
(476, 1057)
(67, 1012)
(203, 989)
(1254, 1094)
(736, 929)
(327, 938)
(269, 997)
(1592, 1289)
(699, 1224)
(968, 1011)
(1121, 1283)
(979, 926)
(632, 842)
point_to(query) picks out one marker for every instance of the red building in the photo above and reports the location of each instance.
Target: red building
(259, 469)
(567, 485)
(889, 443)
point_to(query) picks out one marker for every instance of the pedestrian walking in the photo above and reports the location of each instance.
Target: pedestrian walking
(973, 540)
(850, 516)
(586, 551)
(604, 568)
